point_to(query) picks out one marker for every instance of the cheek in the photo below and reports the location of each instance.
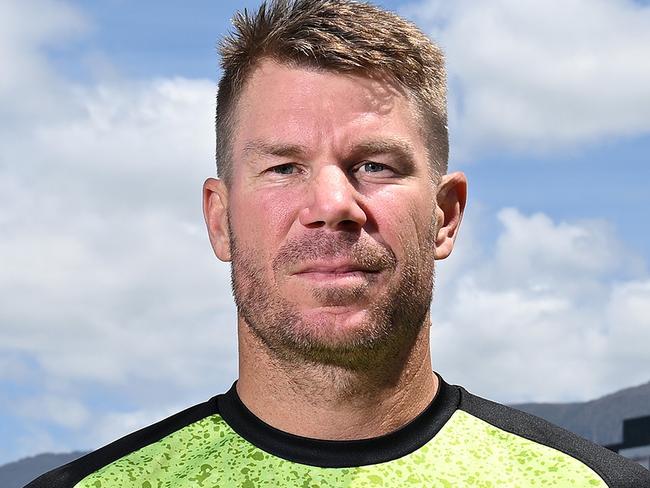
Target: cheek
(259, 217)
(406, 222)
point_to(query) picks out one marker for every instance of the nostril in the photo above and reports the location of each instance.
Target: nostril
(348, 224)
(315, 224)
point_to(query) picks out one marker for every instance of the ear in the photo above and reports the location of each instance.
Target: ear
(215, 212)
(451, 197)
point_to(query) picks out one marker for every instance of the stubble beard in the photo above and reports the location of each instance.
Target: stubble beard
(394, 318)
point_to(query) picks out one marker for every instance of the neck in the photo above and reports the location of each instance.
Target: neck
(325, 401)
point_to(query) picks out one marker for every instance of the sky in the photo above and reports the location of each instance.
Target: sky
(114, 312)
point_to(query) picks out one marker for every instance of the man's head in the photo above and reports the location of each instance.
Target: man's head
(340, 36)
(329, 212)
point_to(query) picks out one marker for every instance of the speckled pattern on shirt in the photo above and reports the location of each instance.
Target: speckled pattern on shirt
(467, 452)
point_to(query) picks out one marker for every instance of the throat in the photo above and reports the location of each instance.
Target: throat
(335, 402)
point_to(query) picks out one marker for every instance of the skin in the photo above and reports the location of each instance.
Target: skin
(332, 222)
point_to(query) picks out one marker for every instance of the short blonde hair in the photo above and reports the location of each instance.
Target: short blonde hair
(336, 35)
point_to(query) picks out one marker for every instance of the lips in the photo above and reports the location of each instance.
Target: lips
(334, 272)
(334, 268)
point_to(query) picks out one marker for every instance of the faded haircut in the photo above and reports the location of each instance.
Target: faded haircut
(343, 36)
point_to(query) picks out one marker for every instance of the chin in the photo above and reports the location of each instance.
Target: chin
(336, 327)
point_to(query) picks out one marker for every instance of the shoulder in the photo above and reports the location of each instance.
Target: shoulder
(68, 475)
(615, 470)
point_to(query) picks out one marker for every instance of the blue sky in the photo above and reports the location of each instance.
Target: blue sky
(115, 313)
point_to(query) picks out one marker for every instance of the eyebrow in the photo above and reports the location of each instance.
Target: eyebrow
(264, 148)
(371, 147)
(398, 147)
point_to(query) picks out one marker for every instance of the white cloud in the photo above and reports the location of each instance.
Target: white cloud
(556, 311)
(106, 227)
(29, 88)
(109, 285)
(542, 75)
(62, 411)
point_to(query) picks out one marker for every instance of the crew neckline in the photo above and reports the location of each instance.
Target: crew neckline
(340, 453)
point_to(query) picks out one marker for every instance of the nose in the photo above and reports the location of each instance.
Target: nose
(333, 202)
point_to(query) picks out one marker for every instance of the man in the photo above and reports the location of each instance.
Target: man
(333, 204)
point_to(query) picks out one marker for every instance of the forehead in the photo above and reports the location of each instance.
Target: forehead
(278, 76)
(313, 107)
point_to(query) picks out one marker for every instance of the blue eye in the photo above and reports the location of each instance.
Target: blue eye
(284, 169)
(372, 167)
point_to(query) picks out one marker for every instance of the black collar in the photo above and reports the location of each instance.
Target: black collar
(340, 454)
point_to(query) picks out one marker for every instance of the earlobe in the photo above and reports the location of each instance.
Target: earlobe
(451, 198)
(215, 212)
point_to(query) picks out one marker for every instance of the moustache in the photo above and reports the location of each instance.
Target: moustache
(365, 253)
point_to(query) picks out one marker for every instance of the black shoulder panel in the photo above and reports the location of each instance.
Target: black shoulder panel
(615, 470)
(70, 474)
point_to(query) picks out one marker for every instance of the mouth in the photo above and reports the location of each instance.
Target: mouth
(339, 273)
